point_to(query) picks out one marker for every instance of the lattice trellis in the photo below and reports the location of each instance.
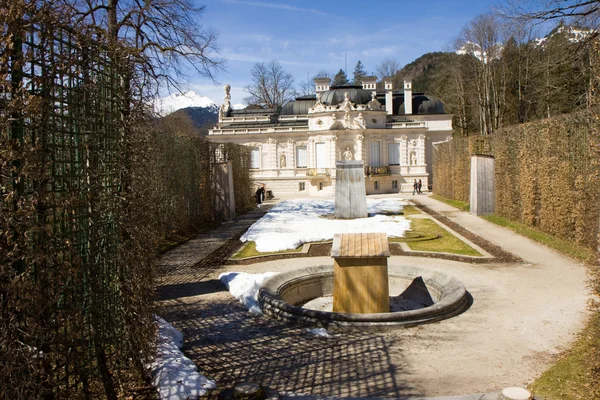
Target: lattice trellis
(66, 96)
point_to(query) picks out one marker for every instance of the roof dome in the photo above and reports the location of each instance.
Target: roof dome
(424, 104)
(356, 94)
(299, 106)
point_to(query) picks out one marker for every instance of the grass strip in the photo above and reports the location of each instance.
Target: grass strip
(576, 375)
(410, 210)
(249, 250)
(446, 243)
(567, 247)
(461, 205)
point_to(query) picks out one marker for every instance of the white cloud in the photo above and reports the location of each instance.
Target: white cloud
(280, 7)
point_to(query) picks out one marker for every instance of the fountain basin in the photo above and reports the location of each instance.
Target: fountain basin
(283, 295)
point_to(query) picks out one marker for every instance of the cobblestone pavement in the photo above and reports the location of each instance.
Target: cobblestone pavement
(192, 261)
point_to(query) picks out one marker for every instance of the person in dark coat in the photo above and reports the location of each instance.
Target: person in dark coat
(419, 186)
(259, 195)
(415, 187)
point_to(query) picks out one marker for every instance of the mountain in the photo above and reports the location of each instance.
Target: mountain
(177, 101)
(203, 118)
(573, 34)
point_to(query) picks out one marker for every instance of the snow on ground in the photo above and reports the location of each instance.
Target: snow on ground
(174, 375)
(294, 222)
(244, 287)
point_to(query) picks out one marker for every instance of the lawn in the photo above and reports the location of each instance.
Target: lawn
(461, 205)
(446, 243)
(249, 250)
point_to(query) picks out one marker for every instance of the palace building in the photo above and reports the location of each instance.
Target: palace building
(294, 148)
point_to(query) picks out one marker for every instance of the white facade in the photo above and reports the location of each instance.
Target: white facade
(295, 153)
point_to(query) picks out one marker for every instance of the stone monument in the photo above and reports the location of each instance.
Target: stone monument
(350, 192)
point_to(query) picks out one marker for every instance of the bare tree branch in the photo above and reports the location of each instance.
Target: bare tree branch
(271, 86)
(165, 33)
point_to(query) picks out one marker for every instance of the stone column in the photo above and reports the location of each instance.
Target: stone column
(350, 194)
(272, 154)
(358, 146)
(310, 149)
(421, 150)
(292, 154)
(403, 154)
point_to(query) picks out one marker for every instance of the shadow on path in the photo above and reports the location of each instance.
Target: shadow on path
(230, 345)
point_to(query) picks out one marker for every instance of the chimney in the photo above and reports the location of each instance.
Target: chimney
(369, 83)
(388, 84)
(322, 84)
(407, 97)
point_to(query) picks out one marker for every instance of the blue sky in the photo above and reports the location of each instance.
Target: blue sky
(308, 36)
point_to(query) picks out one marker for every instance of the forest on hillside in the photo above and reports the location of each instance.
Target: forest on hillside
(499, 74)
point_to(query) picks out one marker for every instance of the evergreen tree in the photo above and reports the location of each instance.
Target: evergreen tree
(340, 78)
(359, 73)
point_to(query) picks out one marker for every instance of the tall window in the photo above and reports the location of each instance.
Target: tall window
(320, 155)
(301, 159)
(374, 157)
(393, 154)
(255, 157)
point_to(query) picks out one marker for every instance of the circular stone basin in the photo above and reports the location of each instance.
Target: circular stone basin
(418, 296)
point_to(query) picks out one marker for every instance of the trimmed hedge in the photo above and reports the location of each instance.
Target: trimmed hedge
(546, 172)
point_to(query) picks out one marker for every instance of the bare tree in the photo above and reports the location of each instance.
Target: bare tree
(580, 12)
(481, 39)
(166, 35)
(387, 67)
(308, 87)
(271, 86)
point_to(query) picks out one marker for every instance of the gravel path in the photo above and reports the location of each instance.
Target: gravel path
(523, 314)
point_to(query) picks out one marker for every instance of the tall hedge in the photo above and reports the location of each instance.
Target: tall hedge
(546, 173)
(451, 169)
(547, 176)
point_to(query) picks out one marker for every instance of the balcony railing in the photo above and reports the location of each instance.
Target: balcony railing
(318, 172)
(378, 171)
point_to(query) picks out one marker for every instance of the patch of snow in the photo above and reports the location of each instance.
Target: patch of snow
(177, 101)
(294, 222)
(238, 106)
(320, 332)
(573, 35)
(174, 375)
(474, 49)
(244, 287)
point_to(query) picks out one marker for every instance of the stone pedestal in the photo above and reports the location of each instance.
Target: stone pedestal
(360, 273)
(350, 193)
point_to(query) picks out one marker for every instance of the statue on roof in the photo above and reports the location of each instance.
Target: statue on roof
(346, 104)
(359, 122)
(226, 106)
(374, 104)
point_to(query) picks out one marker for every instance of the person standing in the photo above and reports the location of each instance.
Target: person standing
(263, 191)
(419, 186)
(259, 196)
(415, 187)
